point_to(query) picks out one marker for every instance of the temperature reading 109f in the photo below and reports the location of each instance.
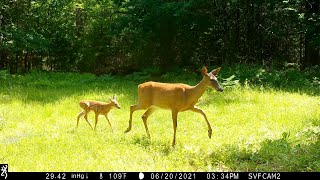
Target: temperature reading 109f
(117, 175)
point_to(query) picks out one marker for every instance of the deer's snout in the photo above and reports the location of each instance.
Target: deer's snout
(118, 106)
(220, 89)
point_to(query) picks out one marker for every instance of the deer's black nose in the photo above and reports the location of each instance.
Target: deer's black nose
(220, 89)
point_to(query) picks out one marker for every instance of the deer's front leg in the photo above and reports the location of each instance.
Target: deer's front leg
(198, 110)
(96, 120)
(109, 122)
(175, 124)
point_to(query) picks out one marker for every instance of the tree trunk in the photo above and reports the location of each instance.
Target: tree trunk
(312, 53)
(312, 49)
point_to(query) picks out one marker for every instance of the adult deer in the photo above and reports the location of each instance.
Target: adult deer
(176, 97)
(98, 108)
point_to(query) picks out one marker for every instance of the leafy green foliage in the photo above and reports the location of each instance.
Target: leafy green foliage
(121, 37)
(230, 82)
(4, 74)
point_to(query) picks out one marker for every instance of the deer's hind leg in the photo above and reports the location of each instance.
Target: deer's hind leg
(80, 115)
(145, 118)
(132, 109)
(86, 117)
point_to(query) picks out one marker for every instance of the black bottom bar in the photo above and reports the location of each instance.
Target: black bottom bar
(160, 175)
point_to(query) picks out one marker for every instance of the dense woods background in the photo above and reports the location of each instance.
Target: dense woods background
(123, 36)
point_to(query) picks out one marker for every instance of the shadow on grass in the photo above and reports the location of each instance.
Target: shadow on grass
(48, 94)
(274, 155)
(164, 148)
(142, 141)
(46, 87)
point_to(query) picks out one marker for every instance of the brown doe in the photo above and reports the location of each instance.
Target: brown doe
(98, 108)
(175, 97)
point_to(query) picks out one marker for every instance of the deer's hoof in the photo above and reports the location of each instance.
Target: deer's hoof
(127, 130)
(210, 133)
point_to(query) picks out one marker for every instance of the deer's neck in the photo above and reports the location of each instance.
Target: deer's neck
(197, 91)
(108, 107)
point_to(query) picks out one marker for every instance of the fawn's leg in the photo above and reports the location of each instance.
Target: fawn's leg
(108, 121)
(79, 115)
(96, 120)
(86, 117)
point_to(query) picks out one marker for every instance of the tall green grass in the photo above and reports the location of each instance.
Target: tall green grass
(263, 121)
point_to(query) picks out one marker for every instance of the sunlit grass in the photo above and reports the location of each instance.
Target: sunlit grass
(253, 130)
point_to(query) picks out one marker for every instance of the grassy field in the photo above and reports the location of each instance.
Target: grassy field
(256, 126)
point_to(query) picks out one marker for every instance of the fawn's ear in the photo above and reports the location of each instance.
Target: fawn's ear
(216, 71)
(87, 103)
(114, 97)
(204, 71)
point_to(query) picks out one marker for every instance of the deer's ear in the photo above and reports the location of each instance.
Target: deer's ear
(216, 71)
(87, 103)
(114, 97)
(110, 99)
(204, 71)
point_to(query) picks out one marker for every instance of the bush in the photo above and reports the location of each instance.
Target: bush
(4, 74)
